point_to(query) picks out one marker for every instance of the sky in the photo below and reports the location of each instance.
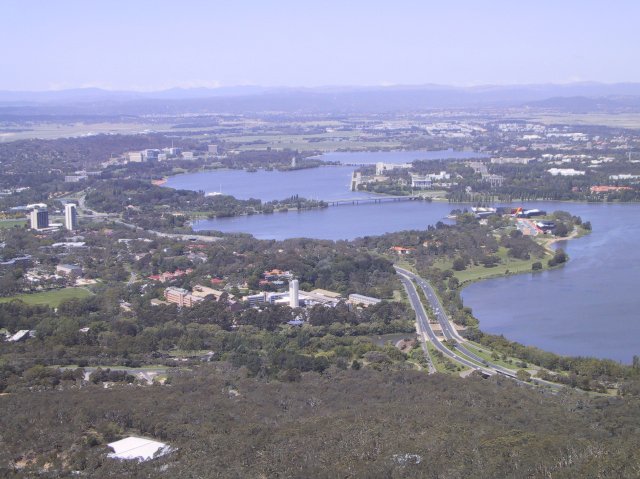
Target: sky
(158, 44)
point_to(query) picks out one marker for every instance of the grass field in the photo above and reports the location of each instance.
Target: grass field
(323, 146)
(507, 266)
(441, 362)
(11, 223)
(50, 131)
(624, 120)
(487, 357)
(51, 298)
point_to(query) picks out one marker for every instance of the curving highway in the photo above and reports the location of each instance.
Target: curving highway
(425, 329)
(448, 330)
(407, 278)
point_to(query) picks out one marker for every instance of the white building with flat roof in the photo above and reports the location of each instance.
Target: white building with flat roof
(138, 448)
(382, 168)
(363, 300)
(135, 157)
(70, 216)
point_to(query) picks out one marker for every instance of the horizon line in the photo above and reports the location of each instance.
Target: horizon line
(317, 87)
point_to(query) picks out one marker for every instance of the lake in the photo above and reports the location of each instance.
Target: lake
(589, 307)
(324, 183)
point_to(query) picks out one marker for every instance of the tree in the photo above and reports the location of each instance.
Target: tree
(559, 257)
(459, 264)
(561, 229)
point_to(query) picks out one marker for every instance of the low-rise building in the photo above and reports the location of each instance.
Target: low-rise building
(69, 270)
(565, 172)
(203, 291)
(382, 168)
(135, 157)
(137, 448)
(168, 276)
(255, 299)
(609, 189)
(494, 180)
(426, 181)
(21, 336)
(401, 250)
(359, 299)
(181, 297)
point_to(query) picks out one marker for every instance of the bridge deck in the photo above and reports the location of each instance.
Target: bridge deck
(378, 199)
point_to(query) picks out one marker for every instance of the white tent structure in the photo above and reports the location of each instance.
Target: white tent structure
(138, 448)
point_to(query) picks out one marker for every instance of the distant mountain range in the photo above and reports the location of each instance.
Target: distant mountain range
(375, 99)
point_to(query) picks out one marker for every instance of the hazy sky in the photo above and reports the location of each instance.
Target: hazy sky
(155, 44)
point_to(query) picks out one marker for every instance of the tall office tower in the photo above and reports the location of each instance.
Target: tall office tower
(294, 300)
(70, 216)
(39, 217)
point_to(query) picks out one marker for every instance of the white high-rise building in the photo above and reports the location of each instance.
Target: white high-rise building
(70, 216)
(39, 217)
(294, 298)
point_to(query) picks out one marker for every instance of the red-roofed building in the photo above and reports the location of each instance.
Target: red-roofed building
(167, 276)
(277, 274)
(401, 250)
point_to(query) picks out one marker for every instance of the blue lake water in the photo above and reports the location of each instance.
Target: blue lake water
(334, 223)
(590, 307)
(325, 183)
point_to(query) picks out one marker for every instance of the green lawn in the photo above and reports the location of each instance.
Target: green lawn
(500, 362)
(507, 266)
(11, 223)
(440, 363)
(52, 298)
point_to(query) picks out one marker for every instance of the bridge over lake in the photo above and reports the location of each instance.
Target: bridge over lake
(375, 199)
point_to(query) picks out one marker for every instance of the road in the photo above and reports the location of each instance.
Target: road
(175, 236)
(425, 329)
(116, 219)
(407, 278)
(448, 330)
